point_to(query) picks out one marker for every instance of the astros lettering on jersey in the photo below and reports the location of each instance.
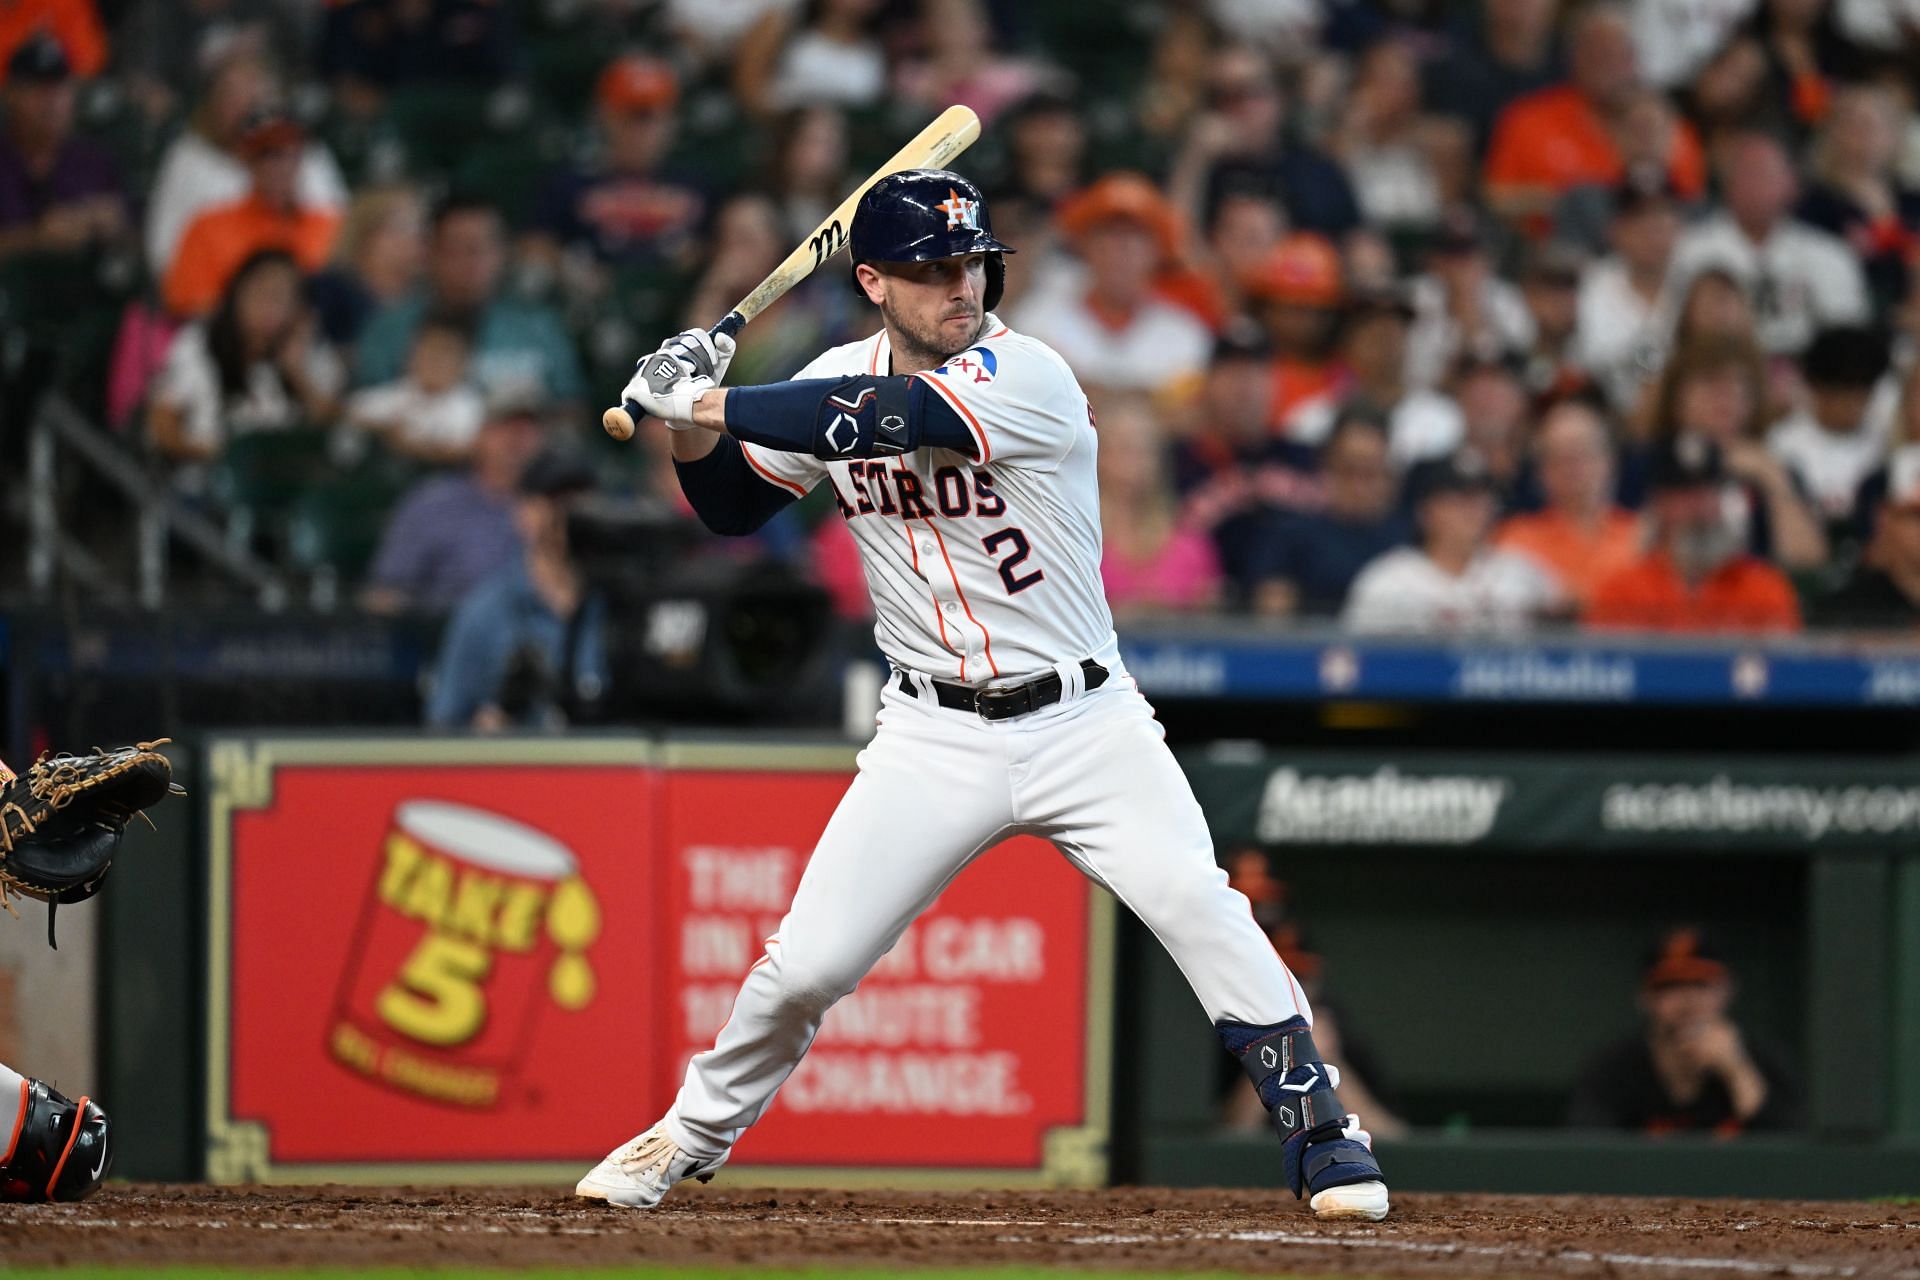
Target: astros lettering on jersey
(978, 569)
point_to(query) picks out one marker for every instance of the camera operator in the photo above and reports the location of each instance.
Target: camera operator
(525, 646)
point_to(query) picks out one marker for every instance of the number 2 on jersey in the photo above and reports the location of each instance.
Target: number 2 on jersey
(1021, 550)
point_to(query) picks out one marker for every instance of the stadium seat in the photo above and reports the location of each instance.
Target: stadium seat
(437, 125)
(267, 471)
(508, 170)
(335, 525)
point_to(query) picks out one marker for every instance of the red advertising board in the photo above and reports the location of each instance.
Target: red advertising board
(472, 959)
(964, 1040)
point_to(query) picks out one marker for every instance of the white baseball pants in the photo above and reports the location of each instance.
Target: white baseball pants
(936, 788)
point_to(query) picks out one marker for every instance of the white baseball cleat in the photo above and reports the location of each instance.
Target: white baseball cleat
(1357, 1201)
(637, 1174)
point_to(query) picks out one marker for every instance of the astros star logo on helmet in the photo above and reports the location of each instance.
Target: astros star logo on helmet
(960, 211)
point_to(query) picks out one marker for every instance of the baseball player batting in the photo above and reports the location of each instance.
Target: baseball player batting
(961, 455)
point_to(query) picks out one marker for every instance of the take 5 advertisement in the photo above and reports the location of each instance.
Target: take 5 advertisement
(492, 959)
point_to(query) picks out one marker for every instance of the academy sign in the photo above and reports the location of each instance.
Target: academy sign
(1382, 807)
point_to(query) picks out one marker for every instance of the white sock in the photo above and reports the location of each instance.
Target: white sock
(10, 1082)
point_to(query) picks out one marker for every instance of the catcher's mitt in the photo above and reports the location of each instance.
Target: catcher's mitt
(61, 821)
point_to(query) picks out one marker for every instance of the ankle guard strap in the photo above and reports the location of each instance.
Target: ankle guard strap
(1295, 1085)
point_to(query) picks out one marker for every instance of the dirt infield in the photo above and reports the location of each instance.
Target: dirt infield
(1123, 1229)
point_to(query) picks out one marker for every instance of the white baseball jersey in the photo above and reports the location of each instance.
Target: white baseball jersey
(981, 571)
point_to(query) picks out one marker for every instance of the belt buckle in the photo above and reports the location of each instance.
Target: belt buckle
(999, 697)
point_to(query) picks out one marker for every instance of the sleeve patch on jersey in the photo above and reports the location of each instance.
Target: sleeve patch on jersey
(975, 366)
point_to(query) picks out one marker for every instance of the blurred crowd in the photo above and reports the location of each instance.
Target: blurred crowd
(1418, 315)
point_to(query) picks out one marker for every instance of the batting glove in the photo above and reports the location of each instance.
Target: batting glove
(686, 356)
(702, 353)
(663, 387)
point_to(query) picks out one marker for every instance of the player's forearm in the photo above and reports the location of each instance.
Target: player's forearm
(691, 446)
(709, 411)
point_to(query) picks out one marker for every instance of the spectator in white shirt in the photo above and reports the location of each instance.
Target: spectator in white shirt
(1109, 323)
(1550, 286)
(1386, 144)
(202, 168)
(828, 54)
(1623, 319)
(1455, 580)
(432, 413)
(1801, 278)
(710, 30)
(1836, 441)
(1421, 424)
(1461, 308)
(1886, 25)
(254, 365)
(1672, 39)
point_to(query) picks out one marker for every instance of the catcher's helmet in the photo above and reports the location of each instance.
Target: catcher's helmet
(919, 215)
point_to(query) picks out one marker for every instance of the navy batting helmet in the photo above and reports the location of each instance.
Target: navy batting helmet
(919, 215)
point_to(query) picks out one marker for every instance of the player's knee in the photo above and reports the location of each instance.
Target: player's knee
(812, 984)
(1192, 898)
(63, 1150)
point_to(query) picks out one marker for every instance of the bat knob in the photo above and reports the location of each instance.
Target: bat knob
(619, 420)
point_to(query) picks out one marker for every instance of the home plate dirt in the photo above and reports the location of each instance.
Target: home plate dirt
(1132, 1228)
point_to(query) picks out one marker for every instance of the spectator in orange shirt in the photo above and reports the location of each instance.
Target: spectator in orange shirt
(1696, 576)
(1580, 536)
(74, 23)
(1297, 294)
(1555, 139)
(270, 217)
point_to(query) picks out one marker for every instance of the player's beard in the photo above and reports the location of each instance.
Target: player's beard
(928, 346)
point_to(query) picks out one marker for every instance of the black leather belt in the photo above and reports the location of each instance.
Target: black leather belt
(1008, 701)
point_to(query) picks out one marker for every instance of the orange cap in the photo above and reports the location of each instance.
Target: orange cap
(1683, 956)
(1127, 197)
(1303, 269)
(637, 83)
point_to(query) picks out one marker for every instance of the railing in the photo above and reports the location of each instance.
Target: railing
(60, 437)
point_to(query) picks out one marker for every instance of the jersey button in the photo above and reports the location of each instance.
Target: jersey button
(926, 548)
(952, 607)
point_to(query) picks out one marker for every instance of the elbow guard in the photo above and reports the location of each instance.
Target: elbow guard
(868, 418)
(835, 419)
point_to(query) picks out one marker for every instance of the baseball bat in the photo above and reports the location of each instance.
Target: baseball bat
(934, 147)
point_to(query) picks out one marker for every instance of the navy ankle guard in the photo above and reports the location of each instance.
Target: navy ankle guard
(1297, 1088)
